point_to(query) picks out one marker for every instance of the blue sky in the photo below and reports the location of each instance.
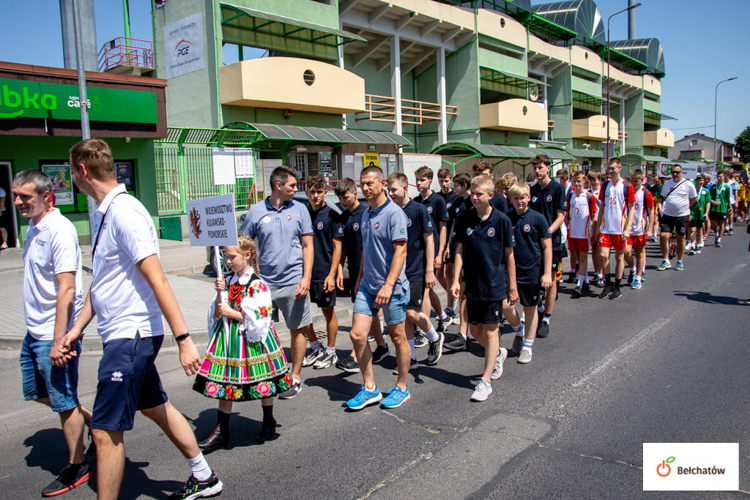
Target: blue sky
(704, 43)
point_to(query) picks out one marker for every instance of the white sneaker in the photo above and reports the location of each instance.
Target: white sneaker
(482, 391)
(525, 356)
(497, 371)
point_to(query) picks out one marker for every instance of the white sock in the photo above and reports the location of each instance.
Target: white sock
(519, 330)
(330, 350)
(443, 316)
(432, 335)
(528, 343)
(541, 309)
(314, 344)
(581, 280)
(546, 318)
(572, 271)
(199, 467)
(413, 349)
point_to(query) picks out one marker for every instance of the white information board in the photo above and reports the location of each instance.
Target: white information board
(212, 221)
(244, 163)
(223, 160)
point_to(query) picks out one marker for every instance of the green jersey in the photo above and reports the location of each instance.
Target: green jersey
(720, 193)
(703, 200)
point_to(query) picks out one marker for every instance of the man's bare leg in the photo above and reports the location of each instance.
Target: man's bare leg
(110, 462)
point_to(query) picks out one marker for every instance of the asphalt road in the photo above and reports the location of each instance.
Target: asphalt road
(667, 363)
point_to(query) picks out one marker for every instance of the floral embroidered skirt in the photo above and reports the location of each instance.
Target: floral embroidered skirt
(236, 369)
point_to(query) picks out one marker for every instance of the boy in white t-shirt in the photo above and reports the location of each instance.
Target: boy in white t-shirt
(582, 207)
(595, 186)
(52, 299)
(643, 223)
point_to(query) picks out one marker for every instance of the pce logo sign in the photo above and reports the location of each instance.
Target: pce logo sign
(183, 48)
(663, 469)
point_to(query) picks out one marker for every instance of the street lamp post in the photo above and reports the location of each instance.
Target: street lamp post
(608, 66)
(716, 97)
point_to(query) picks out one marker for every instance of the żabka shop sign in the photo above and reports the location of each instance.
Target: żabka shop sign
(25, 99)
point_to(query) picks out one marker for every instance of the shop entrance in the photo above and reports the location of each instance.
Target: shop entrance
(8, 219)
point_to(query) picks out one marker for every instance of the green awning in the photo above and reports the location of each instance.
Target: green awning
(506, 78)
(630, 159)
(653, 115)
(495, 151)
(271, 135)
(585, 98)
(583, 153)
(247, 19)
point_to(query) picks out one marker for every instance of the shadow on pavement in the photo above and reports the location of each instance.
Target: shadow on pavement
(242, 430)
(707, 298)
(137, 484)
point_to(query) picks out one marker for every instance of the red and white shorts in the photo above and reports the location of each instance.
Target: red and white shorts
(615, 241)
(578, 244)
(637, 240)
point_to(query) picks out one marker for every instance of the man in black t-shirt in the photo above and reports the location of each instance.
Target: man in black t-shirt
(548, 198)
(485, 249)
(346, 190)
(497, 200)
(444, 275)
(533, 256)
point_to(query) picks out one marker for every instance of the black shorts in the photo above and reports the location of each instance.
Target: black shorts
(484, 312)
(696, 222)
(717, 216)
(416, 296)
(677, 225)
(321, 298)
(528, 293)
(557, 256)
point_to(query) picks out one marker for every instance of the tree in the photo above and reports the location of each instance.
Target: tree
(742, 143)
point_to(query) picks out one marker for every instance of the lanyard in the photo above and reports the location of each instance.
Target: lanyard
(101, 226)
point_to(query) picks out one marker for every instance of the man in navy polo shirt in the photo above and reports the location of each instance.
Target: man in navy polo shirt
(497, 200)
(548, 198)
(485, 250)
(382, 284)
(445, 274)
(461, 183)
(533, 256)
(285, 258)
(328, 234)
(420, 266)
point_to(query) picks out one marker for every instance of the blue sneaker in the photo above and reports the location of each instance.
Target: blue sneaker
(396, 397)
(679, 266)
(665, 264)
(364, 398)
(636, 284)
(631, 277)
(643, 275)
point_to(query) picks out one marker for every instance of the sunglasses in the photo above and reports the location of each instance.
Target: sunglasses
(676, 172)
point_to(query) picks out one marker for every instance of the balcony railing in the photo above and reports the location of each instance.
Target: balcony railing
(383, 109)
(126, 52)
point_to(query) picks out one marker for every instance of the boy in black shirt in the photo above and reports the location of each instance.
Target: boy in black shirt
(420, 266)
(548, 198)
(461, 183)
(346, 190)
(497, 200)
(485, 248)
(445, 273)
(327, 242)
(533, 253)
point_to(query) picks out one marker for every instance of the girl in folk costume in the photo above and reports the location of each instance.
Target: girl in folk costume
(244, 360)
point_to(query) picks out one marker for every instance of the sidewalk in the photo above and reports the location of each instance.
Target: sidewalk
(178, 259)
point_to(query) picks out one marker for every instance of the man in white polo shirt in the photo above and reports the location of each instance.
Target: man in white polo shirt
(52, 299)
(676, 197)
(129, 294)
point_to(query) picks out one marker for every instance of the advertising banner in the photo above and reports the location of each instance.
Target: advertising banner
(183, 42)
(61, 183)
(689, 170)
(212, 221)
(372, 160)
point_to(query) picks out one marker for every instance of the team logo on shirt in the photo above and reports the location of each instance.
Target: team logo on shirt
(491, 232)
(266, 219)
(469, 231)
(457, 209)
(408, 222)
(288, 217)
(320, 226)
(449, 205)
(549, 198)
(116, 377)
(533, 200)
(429, 209)
(355, 227)
(526, 228)
(377, 225)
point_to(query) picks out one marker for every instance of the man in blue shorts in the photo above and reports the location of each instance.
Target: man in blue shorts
(129, 295)
(285, 257)
(382, 284)
(52, 299)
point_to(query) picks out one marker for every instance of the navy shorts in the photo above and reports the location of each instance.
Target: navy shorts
(416, 296)
(320, 297)
(43, 380)
(128, 382)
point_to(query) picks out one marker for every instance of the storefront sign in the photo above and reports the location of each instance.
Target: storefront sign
(183, 41)
(61, 183)
(26, 99)
(372, 160)
(212, 221)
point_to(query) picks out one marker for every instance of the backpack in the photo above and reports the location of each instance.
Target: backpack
(625, 185)
(572, 194)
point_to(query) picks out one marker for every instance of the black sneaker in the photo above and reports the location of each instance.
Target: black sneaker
(435, 352)
(542, 330)
(586, 288)
(413, 365)
(615, 294)
(458, 343)
(198, 489)
(420, 339)
(572, 277)
(348, 365)
(517, 345)
(313, 355)
(295, 389)
(577, 292)
(442, 325)
(380, 353)
(606, 291)
(71, 476)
